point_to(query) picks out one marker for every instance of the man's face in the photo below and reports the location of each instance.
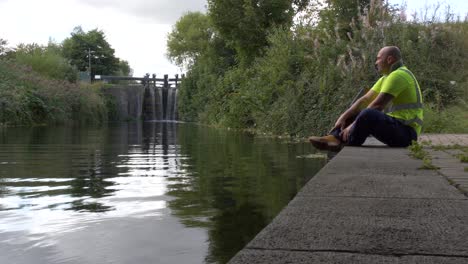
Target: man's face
(381, 63)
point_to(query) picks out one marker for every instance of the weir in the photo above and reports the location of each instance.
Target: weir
(147, 98)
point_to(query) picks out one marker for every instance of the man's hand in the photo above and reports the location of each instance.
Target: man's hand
(357, 106)
(340, 123)
(346, 132)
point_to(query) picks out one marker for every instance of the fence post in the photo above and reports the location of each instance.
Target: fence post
(176, 80)
(146, 79)
(166, 81)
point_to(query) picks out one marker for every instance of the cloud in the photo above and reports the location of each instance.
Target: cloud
(158, 11)
(142, 42)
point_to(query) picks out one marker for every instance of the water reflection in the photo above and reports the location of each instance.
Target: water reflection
(215, 189)
(238, 184)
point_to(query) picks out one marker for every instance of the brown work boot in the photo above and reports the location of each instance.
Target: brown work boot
(329, 142)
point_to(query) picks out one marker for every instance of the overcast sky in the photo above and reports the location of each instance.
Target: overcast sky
(136, 29)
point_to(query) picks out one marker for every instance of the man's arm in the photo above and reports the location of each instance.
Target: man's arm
(360, 104)
(382, 100)
(379, 103)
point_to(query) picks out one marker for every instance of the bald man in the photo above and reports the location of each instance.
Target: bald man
(392, 111)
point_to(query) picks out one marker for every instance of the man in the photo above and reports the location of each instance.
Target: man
(392, 111)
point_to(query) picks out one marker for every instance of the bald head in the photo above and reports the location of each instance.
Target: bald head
(393, 51)
(386, 58)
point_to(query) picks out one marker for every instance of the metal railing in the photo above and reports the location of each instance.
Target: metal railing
(165, 82)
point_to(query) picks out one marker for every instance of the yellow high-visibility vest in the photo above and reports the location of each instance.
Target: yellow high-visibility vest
(407, 104)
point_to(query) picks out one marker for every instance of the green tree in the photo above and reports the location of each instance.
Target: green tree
(124, 68)
(245, 24)
(46, 60)
(339, 15)
(193, 40)
(189, 39)
(81, 45)
(194, 44)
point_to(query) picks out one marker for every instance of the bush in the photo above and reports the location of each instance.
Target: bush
(453, 119)
(47, 61)
(27, 98)
(308, 75)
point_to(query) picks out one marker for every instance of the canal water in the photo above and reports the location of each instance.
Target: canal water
(150, 192)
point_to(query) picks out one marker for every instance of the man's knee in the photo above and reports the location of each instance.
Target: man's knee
(369, 114)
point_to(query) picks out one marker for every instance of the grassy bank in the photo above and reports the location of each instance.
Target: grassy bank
(451, 119)
(29, 98)
(309, 72)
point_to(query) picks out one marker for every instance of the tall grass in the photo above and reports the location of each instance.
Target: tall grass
(308, 75)
(29, 98)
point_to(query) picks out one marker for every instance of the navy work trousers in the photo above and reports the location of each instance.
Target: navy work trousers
(383, 127)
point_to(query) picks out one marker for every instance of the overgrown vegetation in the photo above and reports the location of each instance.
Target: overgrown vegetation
(463, 157)
(39, 84)
(461, 151)
(448, 118)
(294, 74)
(46, 60)
(29, 98)
(417, 151)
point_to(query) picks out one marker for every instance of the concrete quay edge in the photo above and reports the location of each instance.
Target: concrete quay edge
(369, 204)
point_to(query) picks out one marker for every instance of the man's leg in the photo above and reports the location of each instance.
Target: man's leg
(383, 127)
(332, 141)
(369, 122)
(337, 131)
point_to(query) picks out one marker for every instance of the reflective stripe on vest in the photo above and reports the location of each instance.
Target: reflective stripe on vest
(416, 105)
(404, 107)
(409, 122)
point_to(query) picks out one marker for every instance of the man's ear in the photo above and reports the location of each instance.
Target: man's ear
(390, 59)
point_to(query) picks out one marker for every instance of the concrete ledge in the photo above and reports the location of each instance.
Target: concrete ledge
(368, 205)
(369, 172)
(371, 226)
(253, 256)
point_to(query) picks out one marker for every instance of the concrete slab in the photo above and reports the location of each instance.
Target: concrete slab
(392, 161)
(369, 226)
(364, 172)
(279, 257)
(371, 205)
(445, 139)
(380, 185)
